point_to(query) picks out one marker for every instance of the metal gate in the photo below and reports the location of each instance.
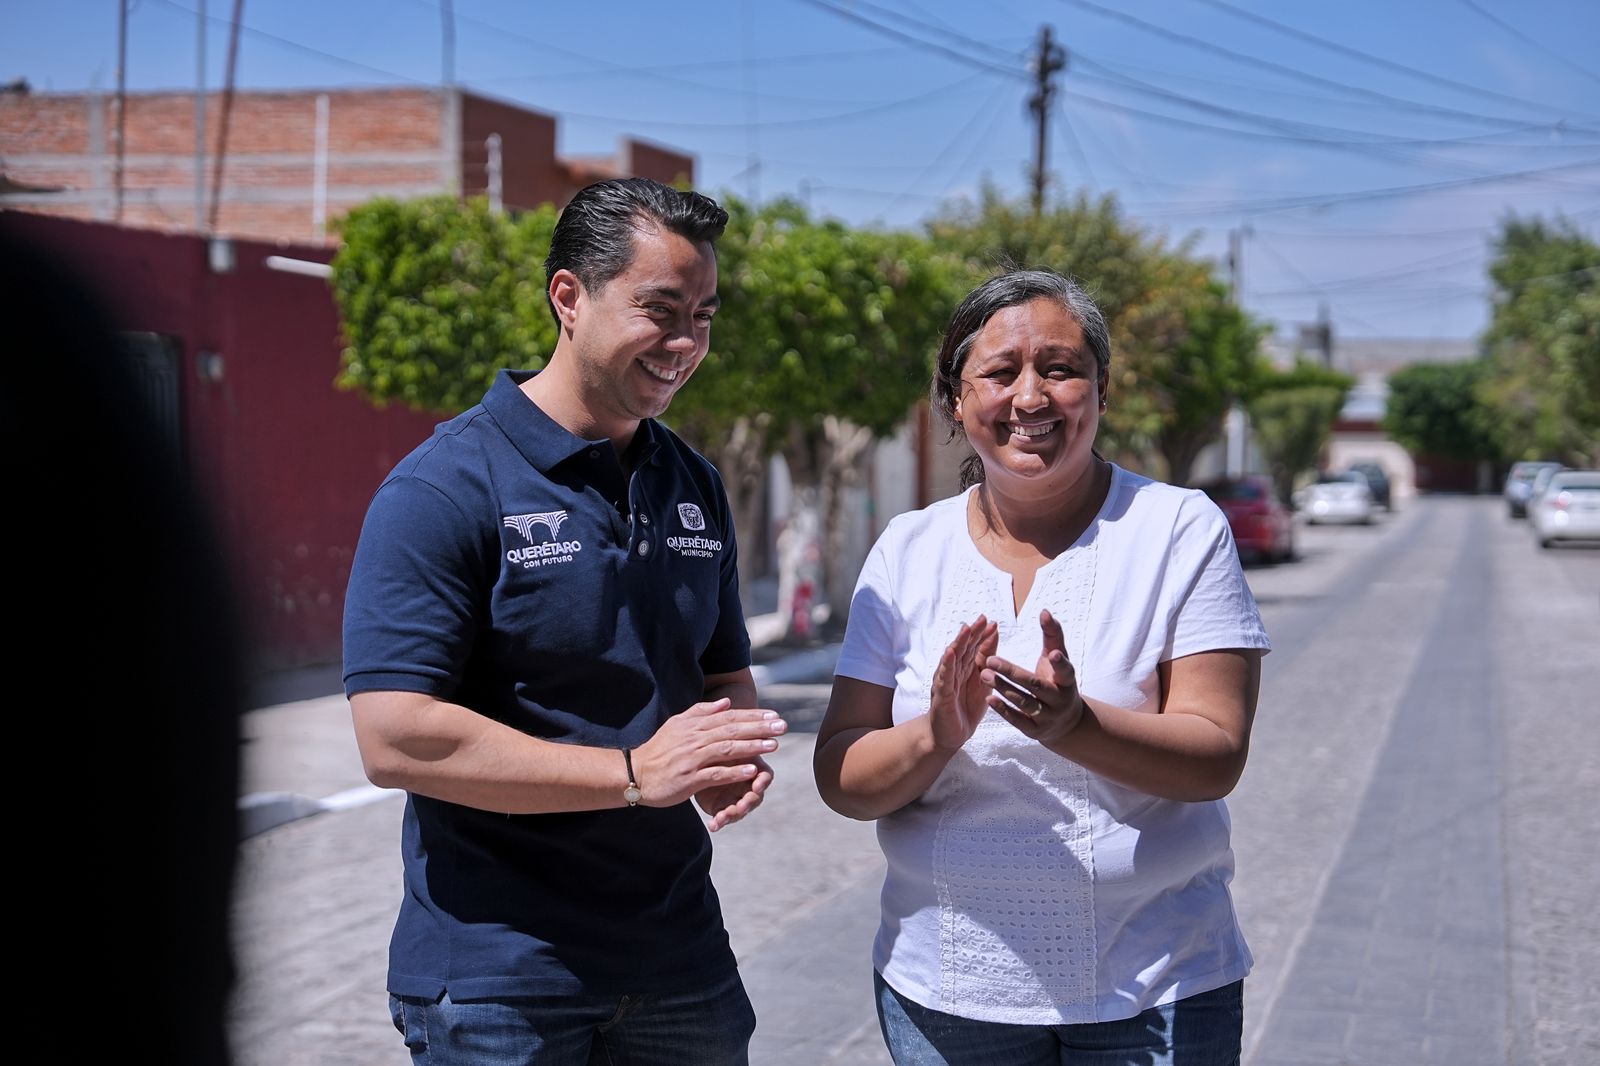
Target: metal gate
(155, 359)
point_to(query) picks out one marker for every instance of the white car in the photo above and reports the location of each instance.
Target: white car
(1336, 498)
(1568, 509)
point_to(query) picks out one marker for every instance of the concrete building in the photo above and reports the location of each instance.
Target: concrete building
(295, 160)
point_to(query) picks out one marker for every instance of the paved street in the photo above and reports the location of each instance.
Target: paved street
(1419, 867)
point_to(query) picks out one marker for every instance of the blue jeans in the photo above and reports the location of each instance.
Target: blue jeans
(1202, 1030)
(707, 1025)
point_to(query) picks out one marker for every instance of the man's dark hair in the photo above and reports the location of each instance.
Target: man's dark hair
(594, 236)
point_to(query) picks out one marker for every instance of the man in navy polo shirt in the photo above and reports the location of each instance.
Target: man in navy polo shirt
(544, 647)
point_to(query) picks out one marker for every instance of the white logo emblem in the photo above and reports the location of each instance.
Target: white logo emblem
(690, 516)
(524, 523)
(547, 552)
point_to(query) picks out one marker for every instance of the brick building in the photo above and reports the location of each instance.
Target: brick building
(296, 160)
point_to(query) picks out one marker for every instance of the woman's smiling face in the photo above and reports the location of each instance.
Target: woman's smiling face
(1031, 395)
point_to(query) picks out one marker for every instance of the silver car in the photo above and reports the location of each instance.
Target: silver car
(1568, 509)
(1519, 486)
(1336, 498)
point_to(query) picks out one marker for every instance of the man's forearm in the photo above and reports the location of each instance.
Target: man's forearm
(449, 752)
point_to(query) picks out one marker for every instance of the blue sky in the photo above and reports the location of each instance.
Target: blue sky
(1370, 146)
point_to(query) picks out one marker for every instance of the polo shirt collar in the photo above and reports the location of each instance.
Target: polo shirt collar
(543, 441)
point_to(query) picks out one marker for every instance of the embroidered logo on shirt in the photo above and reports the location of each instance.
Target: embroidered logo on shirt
(546, 551)
(690, 516)
(524, 523)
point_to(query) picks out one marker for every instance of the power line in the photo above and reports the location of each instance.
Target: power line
(1385, 148)
(296, 46)
(1297, 128)
(710, 64)
(959, 39)
(605, 68)
(1504, 25)
(961, 136)
(1077, 149)
(1367, 57)
(1285, 69)
(927, 46)
(1249, 134)
(1120, 78)
(1429, 265)
(791, 123)
(1290, 203)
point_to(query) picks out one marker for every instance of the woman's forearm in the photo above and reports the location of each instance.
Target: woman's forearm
(867, 773)
(1174, 756)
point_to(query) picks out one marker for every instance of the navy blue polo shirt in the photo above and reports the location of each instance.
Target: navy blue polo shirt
(513, 568)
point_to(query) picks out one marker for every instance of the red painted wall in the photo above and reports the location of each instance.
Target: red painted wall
(530, 174)
(286, 461)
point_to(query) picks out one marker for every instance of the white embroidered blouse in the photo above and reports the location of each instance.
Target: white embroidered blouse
(1021, 887)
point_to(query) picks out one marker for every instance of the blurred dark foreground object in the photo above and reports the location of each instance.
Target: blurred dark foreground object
(125, 691)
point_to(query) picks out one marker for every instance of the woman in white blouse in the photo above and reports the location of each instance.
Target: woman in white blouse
(1045, 690)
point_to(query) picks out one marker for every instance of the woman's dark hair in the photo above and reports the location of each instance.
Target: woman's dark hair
(1010, 289)
(594, 235)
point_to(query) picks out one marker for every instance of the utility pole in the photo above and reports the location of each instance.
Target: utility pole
(1051, 59)
(1235, 263)
(227, 114)
(447, 44)
(122, 108)
(1324, 334)
(1236, 426)
(200, 119)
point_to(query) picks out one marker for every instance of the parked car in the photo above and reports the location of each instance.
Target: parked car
(1568, 509)
(1262, 527)
(1518, 489)
(1377, 482)
(1337, 498)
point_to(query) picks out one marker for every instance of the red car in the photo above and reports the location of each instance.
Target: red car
(1262, 527)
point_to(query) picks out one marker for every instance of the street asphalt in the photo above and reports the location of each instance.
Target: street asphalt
(1419, 867)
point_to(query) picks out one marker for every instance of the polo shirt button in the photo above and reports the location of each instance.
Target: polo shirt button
(594, 453)
(645, 519)
(644, 548)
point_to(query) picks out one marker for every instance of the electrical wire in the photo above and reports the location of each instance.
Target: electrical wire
(1504, 25)
(296, 46)
(917, 42)
(1355, 53)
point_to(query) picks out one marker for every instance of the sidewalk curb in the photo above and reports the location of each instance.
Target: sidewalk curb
(261, 811)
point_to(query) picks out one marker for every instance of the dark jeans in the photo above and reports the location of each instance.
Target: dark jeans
(1202, 1030)
(709, 1026)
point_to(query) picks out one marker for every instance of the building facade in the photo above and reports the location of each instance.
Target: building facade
(295, 160)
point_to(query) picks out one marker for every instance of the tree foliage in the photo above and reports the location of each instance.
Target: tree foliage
(436, 295)
(1214, 363)
(1543, 381)
(1292, 413)
(823, 346)
(1180, 355)
(819, 321)
(825, 339)
(1434, 409)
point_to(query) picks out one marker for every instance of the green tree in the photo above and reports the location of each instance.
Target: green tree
(1291, 414)
(1212, 365)
(823, 346)
(1543, 381)
(1151, 296)
(1434, 409)
(436, 295)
